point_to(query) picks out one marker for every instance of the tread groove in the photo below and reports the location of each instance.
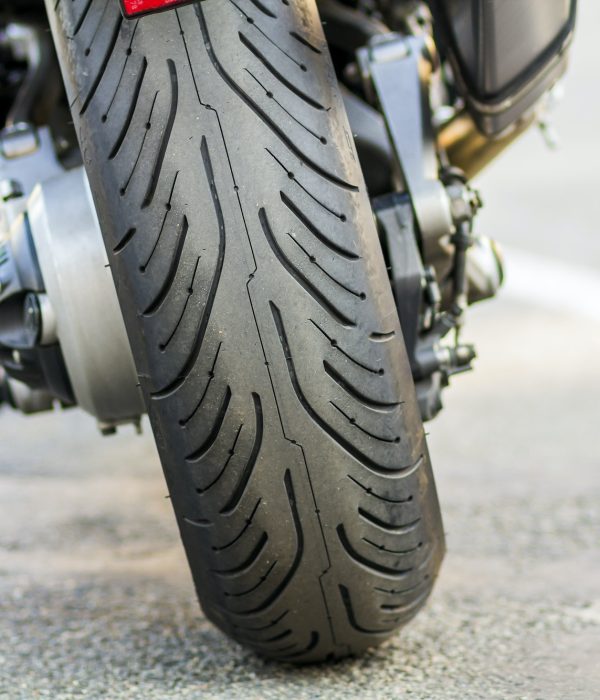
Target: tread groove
(379, 497)
(198, 453)
(388, 527)
(397, 472)
(352, 391)
(122, 244)
(308, 287)
(369, 563)
(211, 375)
(304, 42)
(125, 64)
(278, 75)
(259, 112)
(190, 292)
(230, 456)
(254, 587)
(333, 342)
(345, 593)
(82, 17)
(247, 524)
(167, 284)
(156, 171)
(271, 96)
(162, 226)
(313, 259)
(263, 8)
(240, 487)
(132, 107)
(280, 588)
(183, 373)
(248, 563)
(356, 424)
(125, 187)
(106, 60)
(319, 235)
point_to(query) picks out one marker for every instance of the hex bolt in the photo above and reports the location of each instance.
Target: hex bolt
(107, 429)
(32, 319)
(18, 140)
(10, 189)
(39, 320)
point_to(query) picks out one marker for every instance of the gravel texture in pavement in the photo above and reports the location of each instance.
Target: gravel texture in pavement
(96, 600)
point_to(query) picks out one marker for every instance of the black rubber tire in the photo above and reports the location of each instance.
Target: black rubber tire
(261, 318)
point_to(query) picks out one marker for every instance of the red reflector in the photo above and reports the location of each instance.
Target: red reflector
(134, 8)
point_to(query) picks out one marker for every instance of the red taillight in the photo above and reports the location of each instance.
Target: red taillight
(134, 8)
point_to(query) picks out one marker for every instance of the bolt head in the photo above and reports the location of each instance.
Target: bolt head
(32, 319)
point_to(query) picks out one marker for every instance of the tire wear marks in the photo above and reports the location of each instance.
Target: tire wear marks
(262, 628)
(403, 591)
(312, 644)
(368, 433)
(386, 499)
(383, 548)
(291, 176)
(406, 608)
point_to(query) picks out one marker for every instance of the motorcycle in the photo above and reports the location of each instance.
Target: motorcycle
(253, 220)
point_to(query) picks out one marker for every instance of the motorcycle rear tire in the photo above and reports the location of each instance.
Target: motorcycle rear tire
(255, 295)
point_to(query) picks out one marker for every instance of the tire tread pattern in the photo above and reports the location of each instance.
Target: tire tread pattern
(264, 330)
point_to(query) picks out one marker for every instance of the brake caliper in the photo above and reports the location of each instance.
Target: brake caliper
(438, 265)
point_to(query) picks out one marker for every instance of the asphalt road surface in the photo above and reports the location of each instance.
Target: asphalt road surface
(95, 597)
